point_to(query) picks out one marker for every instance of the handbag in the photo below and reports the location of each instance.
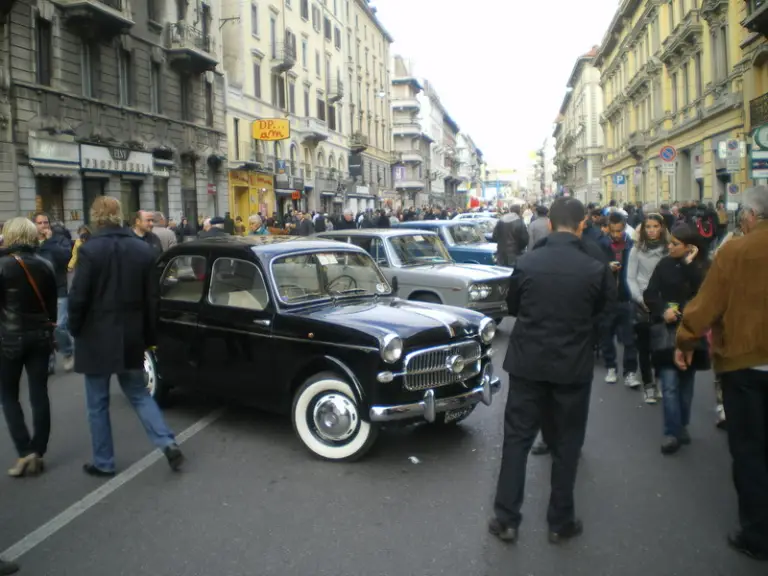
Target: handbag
(662, 337)
(32, 283)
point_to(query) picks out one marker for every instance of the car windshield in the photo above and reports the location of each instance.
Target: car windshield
(415, 249)
(465, 234)
(487, 226)
(327, 274)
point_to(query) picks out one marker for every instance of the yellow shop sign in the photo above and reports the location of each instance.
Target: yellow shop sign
(271, 129)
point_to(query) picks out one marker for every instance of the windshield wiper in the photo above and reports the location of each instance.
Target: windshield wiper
(348, 291)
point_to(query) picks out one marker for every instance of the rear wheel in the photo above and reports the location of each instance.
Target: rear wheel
(155, 386)
(327, 419)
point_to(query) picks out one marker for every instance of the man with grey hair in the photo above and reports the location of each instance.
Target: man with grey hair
(347, 221)
(732, 302)
(167, 237)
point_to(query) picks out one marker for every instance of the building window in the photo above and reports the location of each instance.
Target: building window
(236, 134)
(290, 42)
(332, 117)
(306, 102)
(288, 4)
(278, 91)
(44, 52)
(156, 93)
(721, 57)
(305, 9)
(328, 29)
(337, 38)
(257, 79)
(304, 51)
(153, 10)
(185, 85)
(674, 92)
(209, 103)
(254, 19)
(320, 107)
(292, 98)
(686, 92)
(697, 71)
(91, 69)
(656, 34)
(273, 37)
(316, 18)
(317, 63)
(671, 15)
(124, 73)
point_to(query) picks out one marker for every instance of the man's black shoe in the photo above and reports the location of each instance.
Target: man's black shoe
(502, 531)
(91, 470)
(540, 449)
(737, 541)
(174, 456)
(569, 531)
(8, 568)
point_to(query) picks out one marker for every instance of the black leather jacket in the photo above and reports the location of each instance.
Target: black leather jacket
(21, 312)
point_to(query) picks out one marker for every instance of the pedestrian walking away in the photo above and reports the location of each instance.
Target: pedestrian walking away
(112, 309)
(511, 237)
(732, 302)
(27, 308)
(556, 292)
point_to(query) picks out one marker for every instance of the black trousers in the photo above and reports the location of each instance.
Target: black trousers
(564, 409)
(745, 397)
(643, 343)
(32, 354)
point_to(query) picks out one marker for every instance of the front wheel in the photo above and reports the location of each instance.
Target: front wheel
(327, 419)
(155, 386)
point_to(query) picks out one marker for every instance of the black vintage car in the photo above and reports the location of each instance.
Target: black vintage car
(312, 328)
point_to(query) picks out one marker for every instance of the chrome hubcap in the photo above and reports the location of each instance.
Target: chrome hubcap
(149, 374)
(335, 417)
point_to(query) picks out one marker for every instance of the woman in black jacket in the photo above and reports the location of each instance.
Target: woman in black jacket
(674, 282)
(27, 318)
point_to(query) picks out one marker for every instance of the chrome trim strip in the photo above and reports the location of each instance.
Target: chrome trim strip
(181, 322)
(289, 339)
(429, 407)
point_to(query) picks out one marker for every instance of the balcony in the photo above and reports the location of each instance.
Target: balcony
(408, 129)
(190, 50)
(410, 156)
(102, 19)
(685, 35)
(409, 184)
(336, 91)
(312, 130)
(283, 57)
(358, 142)
(637, 143)
(757, 21)
(406, 104)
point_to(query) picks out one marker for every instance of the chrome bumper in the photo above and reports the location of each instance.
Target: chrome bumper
(492, 309)
(429, 407)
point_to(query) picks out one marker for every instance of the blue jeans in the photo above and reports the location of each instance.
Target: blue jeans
(64, 341)
(620, 323)
(677, 390)
(97, 398)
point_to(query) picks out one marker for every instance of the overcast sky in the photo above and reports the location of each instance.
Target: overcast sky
(499, 66)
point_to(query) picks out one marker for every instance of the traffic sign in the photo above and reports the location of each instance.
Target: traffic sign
(668, 168)
(668, 154)
(619, 179)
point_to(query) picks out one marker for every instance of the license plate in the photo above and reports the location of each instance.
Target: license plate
(452, 415)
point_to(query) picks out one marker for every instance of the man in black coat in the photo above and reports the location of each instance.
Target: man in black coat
(556, 291)
(511, 237)
(113, 317)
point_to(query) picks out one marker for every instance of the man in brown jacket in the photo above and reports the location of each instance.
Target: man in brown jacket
(733, 301)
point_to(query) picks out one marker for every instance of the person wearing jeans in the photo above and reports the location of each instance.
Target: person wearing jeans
(135, 389)
(113, 317)
(677, 396)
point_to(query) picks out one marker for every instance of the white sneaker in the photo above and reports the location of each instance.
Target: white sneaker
(69, 363)
(631, 380)
(611, 377)
(649, 394)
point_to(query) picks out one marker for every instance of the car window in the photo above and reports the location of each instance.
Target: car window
(183, 279)
(238, 284)
(415, 249)
(374, 246)
(465, 234)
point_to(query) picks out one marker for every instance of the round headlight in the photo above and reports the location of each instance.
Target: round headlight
(391, 348)
(487, 330)
(474, 292)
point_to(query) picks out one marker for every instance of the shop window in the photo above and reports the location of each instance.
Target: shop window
(50, 198)
(92, 189)
(130, 191)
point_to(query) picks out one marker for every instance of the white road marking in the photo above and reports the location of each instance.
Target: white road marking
(80, 507)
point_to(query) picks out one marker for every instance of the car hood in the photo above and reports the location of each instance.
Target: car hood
(416, 323)
(470, 272)
(481, 247)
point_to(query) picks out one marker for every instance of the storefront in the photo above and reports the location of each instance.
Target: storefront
(293, 195)
(100, 164)
(54, 164)
(251, 193)
(161, 175)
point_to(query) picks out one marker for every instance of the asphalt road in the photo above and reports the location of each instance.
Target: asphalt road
(252, 502)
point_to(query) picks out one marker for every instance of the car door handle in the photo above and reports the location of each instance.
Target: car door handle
(262, 322)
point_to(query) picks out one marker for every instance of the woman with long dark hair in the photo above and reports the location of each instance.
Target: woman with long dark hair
(28, 298)
(647, 252)
(674, 282)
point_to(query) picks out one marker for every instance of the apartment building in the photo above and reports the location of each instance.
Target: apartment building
(579, 136)
(118, 97)
(672, 74)
(470, 163)
(754, 45)
(320, 66)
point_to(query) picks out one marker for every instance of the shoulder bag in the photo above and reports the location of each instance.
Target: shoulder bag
(662, 337)
(32, 283)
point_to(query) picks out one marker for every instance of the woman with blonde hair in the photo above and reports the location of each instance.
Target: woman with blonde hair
(28, 300)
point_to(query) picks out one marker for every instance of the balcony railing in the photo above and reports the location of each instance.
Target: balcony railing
(358, 141)
(283, 57)
(190, 50)
(102, 18)
(185, 36)
(335, 90)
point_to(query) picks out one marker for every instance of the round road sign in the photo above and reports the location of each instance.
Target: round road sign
(668, 154)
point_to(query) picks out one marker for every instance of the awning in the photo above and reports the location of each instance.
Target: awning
(55, 169)
(284, 192)
(359, 196)
(327, 193)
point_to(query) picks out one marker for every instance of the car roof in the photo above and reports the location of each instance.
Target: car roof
(437, 223)
(264, 246)
(386, 232)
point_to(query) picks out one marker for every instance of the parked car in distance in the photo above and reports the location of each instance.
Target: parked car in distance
(311, 328)
(464, 239)
(487, 226)
(475, 215)
(423, 270)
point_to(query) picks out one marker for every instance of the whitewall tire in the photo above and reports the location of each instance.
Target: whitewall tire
(155, 387)
(327, 419)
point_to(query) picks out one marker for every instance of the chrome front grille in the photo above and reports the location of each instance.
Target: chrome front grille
(428, 368)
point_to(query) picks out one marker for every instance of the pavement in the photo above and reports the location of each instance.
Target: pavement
(252, 502)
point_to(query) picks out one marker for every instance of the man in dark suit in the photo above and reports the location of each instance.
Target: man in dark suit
(113, 317)
(556, 292)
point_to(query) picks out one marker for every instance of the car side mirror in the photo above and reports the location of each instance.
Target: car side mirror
(395, 285)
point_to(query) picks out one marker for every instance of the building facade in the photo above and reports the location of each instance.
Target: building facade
(470, 162)
(578, 134)
(322, 67)
(117, 97)
(672, 74)
(754, 18)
